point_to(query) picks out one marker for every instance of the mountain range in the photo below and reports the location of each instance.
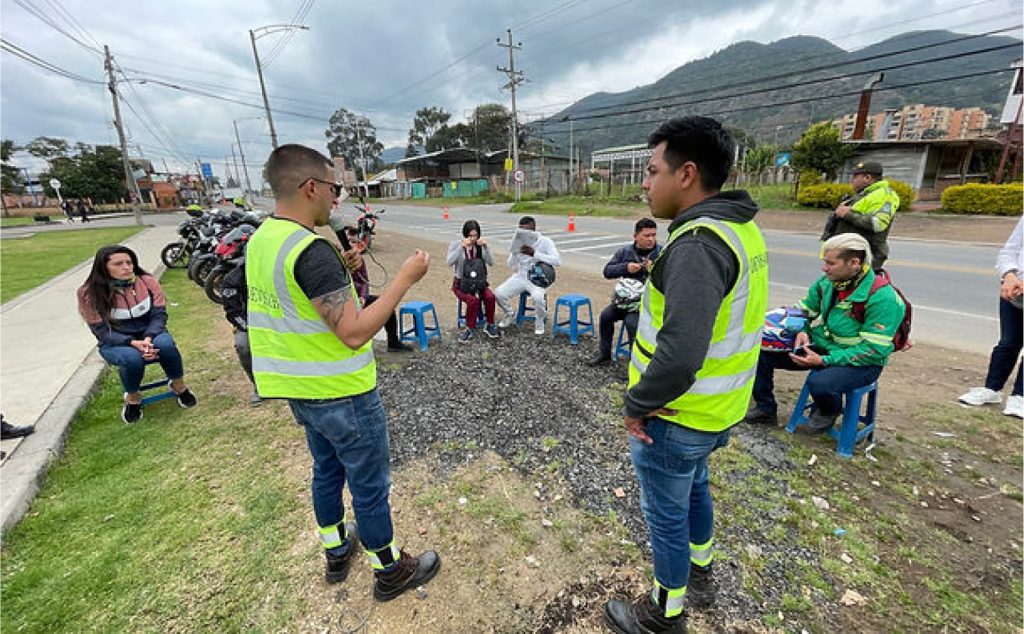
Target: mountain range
(777, 90)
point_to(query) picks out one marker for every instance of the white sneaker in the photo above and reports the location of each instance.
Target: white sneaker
(507, 321)
(1014, 406)
(539, 328)
(981, 396)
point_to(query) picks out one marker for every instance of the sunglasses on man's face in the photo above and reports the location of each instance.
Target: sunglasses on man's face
(335, 187)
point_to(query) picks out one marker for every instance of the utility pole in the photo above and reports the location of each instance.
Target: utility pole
(263, 88)
(514, 79)
(234, 160)
(362, 159)
(572, 159)
(108, 65)
(241, 152)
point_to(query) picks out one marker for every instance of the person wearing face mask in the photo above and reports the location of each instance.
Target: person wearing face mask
(470, 257)
(125, 309)
(841, 351)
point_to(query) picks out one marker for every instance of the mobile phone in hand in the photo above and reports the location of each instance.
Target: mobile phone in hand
(800, 351)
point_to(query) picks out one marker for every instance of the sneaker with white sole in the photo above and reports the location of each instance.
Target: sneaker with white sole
(466, 336)
(538, 329)
(491, 331)
(981, 396)
(1014, 406)
(507, 321)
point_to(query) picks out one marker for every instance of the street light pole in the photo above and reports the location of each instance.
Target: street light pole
(266, 30)
(241, 152)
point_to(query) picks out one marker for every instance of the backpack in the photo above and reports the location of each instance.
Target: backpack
(541, 274)
(236, 297)
(474, 276)
(901, 338)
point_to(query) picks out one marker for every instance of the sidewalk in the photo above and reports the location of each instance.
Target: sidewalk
(48, 367)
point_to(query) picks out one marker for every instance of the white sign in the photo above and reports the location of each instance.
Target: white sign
(519, 176)
(54, 183)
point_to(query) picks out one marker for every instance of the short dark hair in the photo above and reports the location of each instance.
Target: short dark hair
(701, 140)
(527, 220)
(644, 223)
(291, 165)
(470, 225)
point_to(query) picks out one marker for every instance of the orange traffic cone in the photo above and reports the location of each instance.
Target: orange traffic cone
(572, 222)
(445, 216)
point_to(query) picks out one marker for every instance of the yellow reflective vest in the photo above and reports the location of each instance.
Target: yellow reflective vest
(295, 354)
(721, 391)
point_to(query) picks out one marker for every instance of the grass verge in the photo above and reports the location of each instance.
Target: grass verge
(29, 262)
(16, 221)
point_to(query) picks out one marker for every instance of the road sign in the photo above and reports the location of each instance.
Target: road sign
(207, 170)
(519, 176)
(54, 183)
(508, 165)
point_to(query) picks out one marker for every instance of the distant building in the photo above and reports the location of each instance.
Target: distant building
(920, 122)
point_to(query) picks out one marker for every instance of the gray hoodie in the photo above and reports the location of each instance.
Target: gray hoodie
(694, 273)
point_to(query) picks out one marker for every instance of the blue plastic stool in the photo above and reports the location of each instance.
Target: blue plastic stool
(152, 385)
(524, 308)
(574, 325)
(460, 322)
(419, 331)
(623, 346)
(850, 432)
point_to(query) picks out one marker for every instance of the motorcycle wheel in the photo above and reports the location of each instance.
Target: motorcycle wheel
(174, 255)
(204, 268)
(213, 285)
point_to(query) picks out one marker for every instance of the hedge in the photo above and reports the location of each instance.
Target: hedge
(984, 198)
(828, 195)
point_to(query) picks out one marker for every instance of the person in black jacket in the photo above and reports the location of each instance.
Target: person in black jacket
(632, 261)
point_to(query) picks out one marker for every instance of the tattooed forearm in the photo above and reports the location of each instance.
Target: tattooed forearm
(332, 306)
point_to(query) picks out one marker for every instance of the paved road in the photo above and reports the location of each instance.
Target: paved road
(953, 286)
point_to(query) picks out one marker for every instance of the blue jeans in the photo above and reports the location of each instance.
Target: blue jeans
(132, 367)
(348, 439)
(1004, 355)
(826, 385)
(675, 497)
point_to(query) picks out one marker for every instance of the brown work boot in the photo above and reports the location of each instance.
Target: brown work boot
(642, 617)
(409, 572)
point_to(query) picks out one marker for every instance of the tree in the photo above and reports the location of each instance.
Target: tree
(95, 173)
(447, 137)
(758, 159)
(821, 148)
(10, 176)
(346, 132)
(425, 125)
(490, 127)
(49, 148)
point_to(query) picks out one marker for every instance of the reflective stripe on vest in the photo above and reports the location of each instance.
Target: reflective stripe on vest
(294, 353)
(719, 395)
(670, 600)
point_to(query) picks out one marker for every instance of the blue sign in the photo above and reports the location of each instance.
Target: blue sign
(782, 159)
(207, 170)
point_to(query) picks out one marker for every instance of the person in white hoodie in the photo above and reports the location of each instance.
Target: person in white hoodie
(1010, 264)
(520, 261)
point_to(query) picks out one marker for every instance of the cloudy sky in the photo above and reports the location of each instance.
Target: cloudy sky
(383, 59)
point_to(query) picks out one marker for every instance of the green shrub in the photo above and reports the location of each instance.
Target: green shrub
(984, 198)
(824, 195)
(828, 195)
(808, 178)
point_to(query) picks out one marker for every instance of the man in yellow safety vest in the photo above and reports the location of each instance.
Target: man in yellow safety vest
(311, 344)
(693, 361)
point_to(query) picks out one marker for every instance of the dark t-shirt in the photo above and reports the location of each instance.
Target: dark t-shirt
(319, 271)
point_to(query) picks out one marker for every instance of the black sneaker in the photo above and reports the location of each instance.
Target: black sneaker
(818, 423)
(337, 566)
(398, 346)
(491, 331)
(700, 589)
(131, 413)
(466, 336)
(759, 416)
(187, 399)
(641, 617)
(408, 573)
(8, 431)
(599, 359)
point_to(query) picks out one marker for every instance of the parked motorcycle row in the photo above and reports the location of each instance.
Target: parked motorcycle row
(211, 245)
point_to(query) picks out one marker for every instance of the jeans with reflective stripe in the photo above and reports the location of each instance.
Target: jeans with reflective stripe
(675, 497)
(348, 438)
(131, 367)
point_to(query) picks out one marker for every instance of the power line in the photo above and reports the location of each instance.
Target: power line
(42, 17)
(17, 51)
(282, 42)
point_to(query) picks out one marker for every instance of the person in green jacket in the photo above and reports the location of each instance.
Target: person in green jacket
(868, 212)
(841, 352)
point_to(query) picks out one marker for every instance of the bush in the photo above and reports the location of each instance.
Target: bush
(828, 195)
(809, 177)
(825, 195)
(984, 198)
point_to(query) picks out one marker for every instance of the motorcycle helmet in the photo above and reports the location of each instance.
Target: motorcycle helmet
(781, 326)
(627, 292)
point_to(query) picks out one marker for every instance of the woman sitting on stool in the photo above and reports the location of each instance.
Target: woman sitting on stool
(124, 307)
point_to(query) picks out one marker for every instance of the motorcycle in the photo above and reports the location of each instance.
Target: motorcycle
(366, 224)
(230, 253)
(176, 255)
